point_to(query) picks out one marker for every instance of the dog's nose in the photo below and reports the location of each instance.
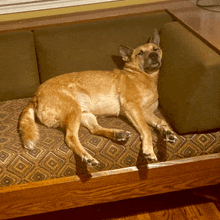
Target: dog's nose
(153, 55)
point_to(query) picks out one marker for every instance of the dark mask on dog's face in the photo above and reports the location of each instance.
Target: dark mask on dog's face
(147, 57)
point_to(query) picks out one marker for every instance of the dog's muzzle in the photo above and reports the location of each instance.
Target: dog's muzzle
(154, 57)
(152, 63)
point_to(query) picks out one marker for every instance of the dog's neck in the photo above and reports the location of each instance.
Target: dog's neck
(129, 67)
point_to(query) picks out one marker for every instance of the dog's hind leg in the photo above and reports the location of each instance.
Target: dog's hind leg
(72, 139)
(89, 120)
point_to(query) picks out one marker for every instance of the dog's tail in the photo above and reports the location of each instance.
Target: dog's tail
(27, 126)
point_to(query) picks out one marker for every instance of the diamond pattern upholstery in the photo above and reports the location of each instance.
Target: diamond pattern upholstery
(53, 159)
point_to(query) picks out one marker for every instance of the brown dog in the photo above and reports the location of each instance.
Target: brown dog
(74, 98)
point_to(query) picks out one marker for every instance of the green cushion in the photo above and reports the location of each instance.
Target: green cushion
(93, 45)
(189, 82)
(18, 65)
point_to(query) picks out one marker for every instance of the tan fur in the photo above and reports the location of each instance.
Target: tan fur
(28, 128)
(77, 98)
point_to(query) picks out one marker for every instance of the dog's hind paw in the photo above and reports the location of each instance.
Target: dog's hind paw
(169, 136)
(122, 135)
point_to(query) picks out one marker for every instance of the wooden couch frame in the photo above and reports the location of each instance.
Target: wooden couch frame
(112, 185)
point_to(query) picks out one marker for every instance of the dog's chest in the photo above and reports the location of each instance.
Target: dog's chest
(100, 104)
(149, 97)
(145, 93)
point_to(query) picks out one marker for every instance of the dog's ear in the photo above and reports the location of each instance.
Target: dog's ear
(155, 39)
(125, 52)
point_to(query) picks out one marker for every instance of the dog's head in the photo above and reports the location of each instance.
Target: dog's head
(146, 57)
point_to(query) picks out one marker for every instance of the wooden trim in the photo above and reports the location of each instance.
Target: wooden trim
(18, 6)
(77, 9)
(176, 17)
(79, 17)
(108, 186)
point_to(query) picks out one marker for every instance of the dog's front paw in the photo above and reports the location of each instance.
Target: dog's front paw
(122, 135)
(151, 157)
(169, 136)
(90, 161)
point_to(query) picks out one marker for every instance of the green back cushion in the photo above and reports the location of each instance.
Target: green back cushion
(189, 82)
(18, 66)
(93, 45)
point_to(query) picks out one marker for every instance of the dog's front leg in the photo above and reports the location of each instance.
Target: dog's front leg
(161, 126)
(135, 115)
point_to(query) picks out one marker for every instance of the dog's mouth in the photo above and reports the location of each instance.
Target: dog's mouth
(152, 66)
(152, 62)
(155, 65)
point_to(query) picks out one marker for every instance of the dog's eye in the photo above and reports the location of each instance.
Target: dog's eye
(141, 52)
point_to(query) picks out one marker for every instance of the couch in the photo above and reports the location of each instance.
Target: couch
(51, 177)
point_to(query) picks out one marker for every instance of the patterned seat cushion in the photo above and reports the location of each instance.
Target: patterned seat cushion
(53, 159)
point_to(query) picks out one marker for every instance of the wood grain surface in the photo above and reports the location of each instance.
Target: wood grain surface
(70, 15)
(65, 193)
(176, 205)
(204, 211)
